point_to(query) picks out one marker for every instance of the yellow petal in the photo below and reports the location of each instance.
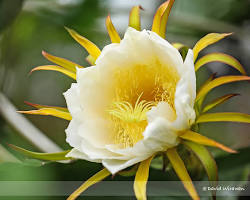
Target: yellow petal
(69, 73)
(178, 45)
(62, 62)
(92, 49)
(114, 36)
(208, 40)
(220, 57)
(219, 81)
(134, 18)
(49, 111)
(224, 117)
(217, 102)
(161, 18)
(38, 106)
(200, 139)
(91, 181)
(182, 173)
(141, 179)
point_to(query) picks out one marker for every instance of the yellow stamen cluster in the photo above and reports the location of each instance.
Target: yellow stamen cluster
(126, 112)
(138, 89)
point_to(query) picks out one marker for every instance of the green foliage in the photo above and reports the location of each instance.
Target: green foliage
(8, 12)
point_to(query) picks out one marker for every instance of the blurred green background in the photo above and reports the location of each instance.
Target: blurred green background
(29, 26)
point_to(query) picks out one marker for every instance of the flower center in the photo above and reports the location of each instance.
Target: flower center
(126, 112)
(138, 89)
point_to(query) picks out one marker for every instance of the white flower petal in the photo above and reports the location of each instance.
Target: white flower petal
(91, 131)
(159, 135)
(100, 132)
(189, 66)
(163, 110)
(115, 166)
(73, 101)
(74, 153)
(72, 137)
(94, 153)
(168, 54)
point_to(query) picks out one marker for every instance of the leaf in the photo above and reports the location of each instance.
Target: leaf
(161, 18)
(224, 117)
(238, 162)
(91, 181)
(69, 73)
(217, 102)
(207, 40)
(220, 57)
(42, 156)
(217, 82)
(141, 179)
(113, 34)
(182, 173)
(200, 139)
(38, 106)
(134, 18)
(49, 111)
(207, 161)
(9, 10)
(71, 66)
(92, 49)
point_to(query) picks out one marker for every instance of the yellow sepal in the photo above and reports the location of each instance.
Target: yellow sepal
(224, 117)
(200, 139)
(207, 40)
(217, 102)
(69, 73)
(39, 106)
(49, 111)
(217, 82)
(91, 181)
(92, 49)
(90, 60)
(178, 45)
(220, 57)
(161, 18)
(57, 156)
(71, 66)
(134, 18)
(141, 179)
(113, 34)
(182, 173)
